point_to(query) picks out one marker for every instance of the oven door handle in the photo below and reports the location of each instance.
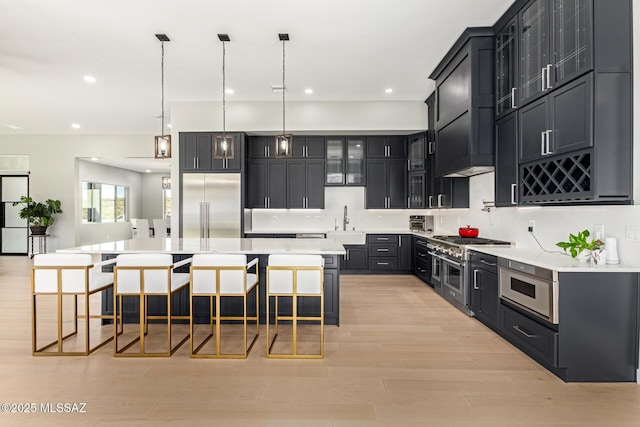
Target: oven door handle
(453, 262)
(523, 332)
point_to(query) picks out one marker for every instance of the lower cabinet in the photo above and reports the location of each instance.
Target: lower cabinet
(356, 258)
(485, 298)
(421, 260)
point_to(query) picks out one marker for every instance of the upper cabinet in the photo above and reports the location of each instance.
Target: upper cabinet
(464, 106)
(556, 44)
(506, 58)
(345, 161)
(416, 145)
(203, 152)
(386, 146)
(308, 147)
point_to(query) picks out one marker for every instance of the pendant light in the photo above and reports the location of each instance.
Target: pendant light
(284, 142)
(162, 142)
(223, 144)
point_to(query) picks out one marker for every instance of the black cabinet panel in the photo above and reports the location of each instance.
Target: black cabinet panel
(296, 184)
(485, 298)
(533, 123)
(572, 112)
(376, 190)
(260, 147)
(386, 146)
(506, 173)
(257, 185)
(507, 68)
(356, 258)
(405, 252)
(267, 184)
(534, 48)
(397, 183)
(277, 184)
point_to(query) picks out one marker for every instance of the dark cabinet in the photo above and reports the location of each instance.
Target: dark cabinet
(556, 44)
(227, 152)
(356, 258)
(196, 151)
(305, 184)
(386, 146)
(416, 186)
(260, 147)
(464, 106)
(416, 157)
(308, 147)
(386, 184)
(405, 252)
(506, 58)
(345, 161)
(506, 173)
(485, 298)
(421, 259)
(559, 123)
(267, 184)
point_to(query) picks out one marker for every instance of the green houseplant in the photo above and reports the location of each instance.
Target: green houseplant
(39, 214)
(579, 242)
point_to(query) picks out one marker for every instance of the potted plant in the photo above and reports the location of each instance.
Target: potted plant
(579, 243)
(39, 214)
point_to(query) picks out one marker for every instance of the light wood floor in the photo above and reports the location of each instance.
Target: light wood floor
(402, 357)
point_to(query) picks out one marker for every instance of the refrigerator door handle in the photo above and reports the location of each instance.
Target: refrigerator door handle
(201, 220)
(206, 220)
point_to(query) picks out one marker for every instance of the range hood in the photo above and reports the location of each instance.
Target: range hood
(464, 106)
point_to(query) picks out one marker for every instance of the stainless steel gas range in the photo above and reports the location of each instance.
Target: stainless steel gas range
(449, 273)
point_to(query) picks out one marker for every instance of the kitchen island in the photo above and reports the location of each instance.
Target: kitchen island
(260, 248)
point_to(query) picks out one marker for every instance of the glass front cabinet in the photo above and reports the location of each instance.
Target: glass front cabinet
(345, 161)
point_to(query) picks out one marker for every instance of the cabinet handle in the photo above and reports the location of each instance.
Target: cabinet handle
(475, 280)
(549, 76)
(430, 202)
(492, 264)
(268, 202)
(382, 238)
(548, 151)
(347, 254)
(194, 162)
(399, 241)
(439, 200)
(382, 250)
(513, 193)
(513, 97)
(542, 143)
(408, 202)
(264, 150)
(265, 203)
(542, 74)
(432, 147)
(421, 255)
(523, 332)
(382, 263)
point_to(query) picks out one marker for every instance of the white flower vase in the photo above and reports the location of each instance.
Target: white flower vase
(584, 256)
(599, 258)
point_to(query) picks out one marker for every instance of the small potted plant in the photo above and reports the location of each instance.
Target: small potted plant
(38, 214)
(579, 243)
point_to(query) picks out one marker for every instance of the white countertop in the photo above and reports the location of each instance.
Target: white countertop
(376, 231)
(553, 261)
(176, 245)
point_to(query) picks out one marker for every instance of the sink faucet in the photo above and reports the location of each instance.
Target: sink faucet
(345, 220)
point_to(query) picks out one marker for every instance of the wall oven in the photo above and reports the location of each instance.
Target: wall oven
(532, 289)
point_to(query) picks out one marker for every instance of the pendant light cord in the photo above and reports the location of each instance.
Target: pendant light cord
(224, 90)
(283, 87)
(162, 87)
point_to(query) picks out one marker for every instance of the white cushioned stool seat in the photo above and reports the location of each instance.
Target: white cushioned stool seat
(68, 274)
(295, 275)
(223, 275)
(144, 276)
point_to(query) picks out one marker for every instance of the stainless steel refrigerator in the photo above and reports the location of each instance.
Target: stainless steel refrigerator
(211, 205)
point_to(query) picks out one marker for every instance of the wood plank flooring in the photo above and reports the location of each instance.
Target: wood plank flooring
(401, 357)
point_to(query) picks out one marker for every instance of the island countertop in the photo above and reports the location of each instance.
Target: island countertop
(176, 245)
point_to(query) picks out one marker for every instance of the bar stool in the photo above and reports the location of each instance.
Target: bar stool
(68, 274)
(145, 275)
(217, 276)
(295, 276)
(159, 228)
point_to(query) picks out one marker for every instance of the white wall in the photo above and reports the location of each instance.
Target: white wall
(151, 196)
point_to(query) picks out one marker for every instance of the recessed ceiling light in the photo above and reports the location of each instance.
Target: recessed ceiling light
(308, 91)
(75, 126)
(148, 171)
(13, 127)
(89, 79)
(95, 159)
(389, 90)
(169, 125)
(229, 91)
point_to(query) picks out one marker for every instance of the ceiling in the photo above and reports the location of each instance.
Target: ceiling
(342, 49)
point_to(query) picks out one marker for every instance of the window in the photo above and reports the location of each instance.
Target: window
(104, 203)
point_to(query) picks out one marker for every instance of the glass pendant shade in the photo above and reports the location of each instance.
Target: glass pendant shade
(223, 147)
(163, 147)
(166, 183)
(284, 145)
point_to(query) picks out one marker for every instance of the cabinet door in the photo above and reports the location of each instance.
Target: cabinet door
(571, 116)
(572, 38)
(259, 147)
(430, 192)
(397, 147)
(506, 68)
(376, 190)
(357, 258)
(506, 172)
(296, 184)
(257, 184)
(485, 299)
(534, 49)
(355, 161)
(415, 190)
(314, 147)
(416, 145)
(205, 151)
(232, 162)
(404, 252)
(335, 161)
(188, 151)
(397, 184)
(315, 184)
(533, 121)
(277, 184)
(376, 147)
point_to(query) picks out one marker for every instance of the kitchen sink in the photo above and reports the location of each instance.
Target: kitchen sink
(348, 237)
